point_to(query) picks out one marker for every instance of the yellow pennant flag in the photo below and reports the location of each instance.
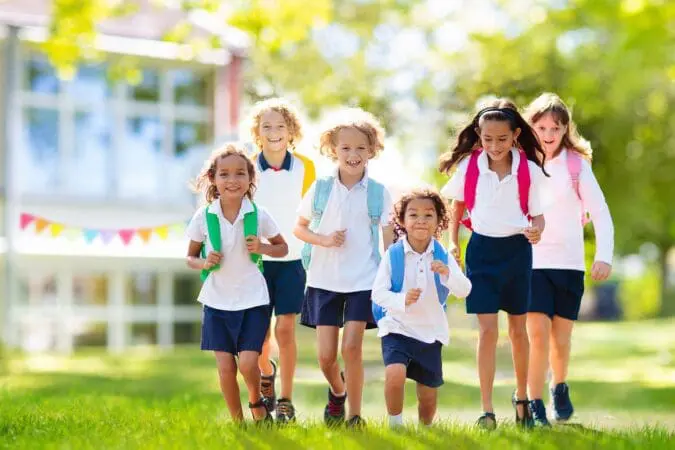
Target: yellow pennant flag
(40, 224)
(162, 232)
(144, 234)
(56, 229)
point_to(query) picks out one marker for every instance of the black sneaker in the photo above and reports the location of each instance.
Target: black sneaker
(562, 405)
(487, 421)
(285, 411)
(267, 387)
(538, 412)
(334, 413)
(356, 422)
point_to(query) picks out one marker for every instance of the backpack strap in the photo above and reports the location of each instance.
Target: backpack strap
(470, 185)
(251, 229)
(574, 169)
(397, 264)
(375, 202)
(524, 183)
(310, 172)
(441, 255)
(322, 190)
(213, 235)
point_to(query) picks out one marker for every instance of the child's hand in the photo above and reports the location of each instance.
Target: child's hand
(335, 239)
(440, 268)
(600, 271)
(252, 244)
(412, 296)
(212, 259)
(533, 234)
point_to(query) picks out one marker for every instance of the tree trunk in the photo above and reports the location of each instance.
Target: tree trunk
(667, 300)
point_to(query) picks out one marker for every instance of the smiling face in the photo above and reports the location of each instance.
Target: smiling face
(352, 150)
(497, 138)
(420, 219)
(232, 177)
(550, 133)
(273, 132)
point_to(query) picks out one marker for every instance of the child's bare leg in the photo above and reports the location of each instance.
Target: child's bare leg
(227, 375)
(427, 398)
(264, 359)
(561, 344)
(248, 366)
(327, 341)
(394, 385)
(487, 349)
(538, 330)
(352, 355)
(288, 352)
(520, 353)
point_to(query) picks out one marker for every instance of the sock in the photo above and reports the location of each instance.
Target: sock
(396, 421)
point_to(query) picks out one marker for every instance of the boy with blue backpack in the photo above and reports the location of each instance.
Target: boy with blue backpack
(340, 219)
(409, 300)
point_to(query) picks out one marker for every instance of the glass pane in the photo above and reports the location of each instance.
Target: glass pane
(141, 289)
(37, 290)
(186, 289)
(92, 133)
(91, 83)
(187, 333)
(90, 290)
(190, 88)
(40, 76)
(145, 134)
(91, 335)
(148, 89)
(188, 135)
(143, 334)
(41, 133)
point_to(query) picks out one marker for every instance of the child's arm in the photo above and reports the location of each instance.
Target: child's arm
(456, 213)
(382, 294)
(194, 261)
(452, 277)
(302, 232)
(276, 248)
(594, 201)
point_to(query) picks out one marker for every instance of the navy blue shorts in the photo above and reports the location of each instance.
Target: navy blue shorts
(500, 270)
(557, 292)
(334, 309)
(286, 285)
(422, 361)
(235, 331)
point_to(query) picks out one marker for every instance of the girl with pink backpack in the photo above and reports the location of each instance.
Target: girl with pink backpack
(497, 175)
(558, 260)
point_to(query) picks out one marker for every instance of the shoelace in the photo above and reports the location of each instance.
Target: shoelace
(335, 409)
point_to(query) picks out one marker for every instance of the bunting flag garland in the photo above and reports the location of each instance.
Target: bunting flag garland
(106, 235)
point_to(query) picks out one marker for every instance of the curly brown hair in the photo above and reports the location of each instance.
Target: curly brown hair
(358, 119)
(283, 107)
(442, 211)
(549, 103)
(205, 181)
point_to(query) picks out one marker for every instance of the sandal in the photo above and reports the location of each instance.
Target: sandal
(526, 421)
(487, 421)
(267, 387)
(262, 403)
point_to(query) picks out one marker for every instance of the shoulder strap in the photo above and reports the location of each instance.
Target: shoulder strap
(321, 195)
(574, 169)
(310, 172)
(251, 229)
(375, 204)
(397, 263)
(470, 185)
(524, 183)
(441, 255)
(213, 235)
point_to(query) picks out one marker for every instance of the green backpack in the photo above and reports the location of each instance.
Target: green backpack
(213, 231)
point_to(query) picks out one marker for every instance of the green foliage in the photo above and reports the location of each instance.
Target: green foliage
(640, 296)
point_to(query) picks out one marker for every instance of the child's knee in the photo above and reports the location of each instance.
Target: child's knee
(395, 375)
(538, 332)
(518, 332)
(327, 358)
(284, 332)
(248, 363)
(351, 351)
(488, 334)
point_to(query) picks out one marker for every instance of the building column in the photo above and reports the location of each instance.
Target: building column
(64, 299)
(165, 316)
(116, 317)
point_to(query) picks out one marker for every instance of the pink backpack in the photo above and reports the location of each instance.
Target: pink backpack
(574, 168)
(471, 182)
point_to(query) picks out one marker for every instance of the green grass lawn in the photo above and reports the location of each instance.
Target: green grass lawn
(622, 380)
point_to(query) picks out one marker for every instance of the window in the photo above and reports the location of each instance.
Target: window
(42, 131)
(141, 289)
(40, 76)
(186, 289)
(91, 335)
(38, 290)
(90, 290)
(188, 135)
(148, 90)
(187, 333)
(145, 134)
(190, 88)
(91, 84)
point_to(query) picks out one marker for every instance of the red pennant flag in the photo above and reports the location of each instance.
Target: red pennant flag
(26, 220)
(126, 236)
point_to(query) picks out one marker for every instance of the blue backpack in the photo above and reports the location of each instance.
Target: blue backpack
(375, 199)
(397, 262)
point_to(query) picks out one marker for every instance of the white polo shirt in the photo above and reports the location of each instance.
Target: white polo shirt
(424, 320)
(497, 212)
(562, 243)
(352, 267)
(280, 192)
(238, 284)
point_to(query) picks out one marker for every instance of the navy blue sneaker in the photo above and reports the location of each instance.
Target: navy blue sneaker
(538, 413)
(562, 405)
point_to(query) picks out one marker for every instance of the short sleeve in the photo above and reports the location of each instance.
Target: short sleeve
(196, 231)
(454, 188)
(387, 206)
(540, 196)
(267, 226)
(305, 208)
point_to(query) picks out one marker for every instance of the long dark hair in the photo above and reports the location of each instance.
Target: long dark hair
(501, 110)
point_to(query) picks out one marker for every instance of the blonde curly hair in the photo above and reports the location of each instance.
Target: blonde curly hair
(283, 107)
(358, 119)
(205, 181)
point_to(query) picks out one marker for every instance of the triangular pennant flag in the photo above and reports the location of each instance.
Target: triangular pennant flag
(90, 235)
(162, 232)
(40, 224)
(71, 233)
(177, 228)
(25, 220)
(56, 229)
(126, 236)
(144, 234)
(107, 236)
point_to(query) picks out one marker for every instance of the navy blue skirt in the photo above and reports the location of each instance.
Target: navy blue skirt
(500, 270)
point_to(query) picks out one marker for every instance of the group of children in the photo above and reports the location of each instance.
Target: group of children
(275, 239)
